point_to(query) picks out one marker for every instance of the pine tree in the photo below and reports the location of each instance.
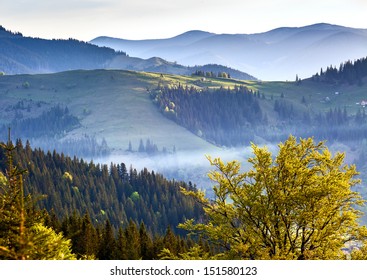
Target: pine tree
(88, 239)
(107, 243)
(133, 242)
(170, 241)
(22, 233)
(146, 244)
(120, 251)
(15, 236)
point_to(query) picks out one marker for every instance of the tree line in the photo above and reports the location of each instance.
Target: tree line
(336, 124)
(212, 70)
(351, 72)
(46, 130)
(129, 242)
(211, 74)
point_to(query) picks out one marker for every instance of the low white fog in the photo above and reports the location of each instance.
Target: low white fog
(187, 166)
(193, 166)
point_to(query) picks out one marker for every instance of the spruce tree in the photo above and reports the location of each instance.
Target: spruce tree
(133, 242)
(107, 244)
(146, 244)
(22, 233)
(15, 238)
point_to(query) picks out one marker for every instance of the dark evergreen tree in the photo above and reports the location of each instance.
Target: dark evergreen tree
(133, 241)
(23, 235)
(146, 243)
(121, 245)
(107, 244)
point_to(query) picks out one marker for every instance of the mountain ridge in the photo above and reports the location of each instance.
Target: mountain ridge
(272, 55)
(27, 55)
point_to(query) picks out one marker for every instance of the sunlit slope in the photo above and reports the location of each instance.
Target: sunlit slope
(114, 105)
(314, 96)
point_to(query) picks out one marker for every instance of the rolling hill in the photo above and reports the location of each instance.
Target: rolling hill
(278, 54)
(110, 104)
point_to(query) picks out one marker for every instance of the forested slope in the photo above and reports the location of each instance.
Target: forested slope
(113, 192)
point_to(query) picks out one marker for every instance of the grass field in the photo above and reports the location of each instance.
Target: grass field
(114, 105)
(319, 97)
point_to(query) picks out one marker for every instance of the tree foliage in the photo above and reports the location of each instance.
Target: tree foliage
(298, 205)
(49, 245)
(22, 234)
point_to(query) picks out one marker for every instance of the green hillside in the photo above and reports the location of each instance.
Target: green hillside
(114, 105)
(117, 105)
(319, 97)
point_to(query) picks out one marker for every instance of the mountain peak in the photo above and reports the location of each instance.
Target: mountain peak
(191, 36)
(195, 33)
(324, 26)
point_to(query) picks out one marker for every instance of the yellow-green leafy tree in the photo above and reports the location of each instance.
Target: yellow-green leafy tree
(297, 205)
(194, 253)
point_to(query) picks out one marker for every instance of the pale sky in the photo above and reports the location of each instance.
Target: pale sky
(145, 19)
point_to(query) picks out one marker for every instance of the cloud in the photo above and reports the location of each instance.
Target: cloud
(52, 6)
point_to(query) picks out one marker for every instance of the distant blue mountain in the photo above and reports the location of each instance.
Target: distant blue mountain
(19, 54)
(26, 55)
(278, 54)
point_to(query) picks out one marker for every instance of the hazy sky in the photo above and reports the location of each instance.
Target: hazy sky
(142, 19)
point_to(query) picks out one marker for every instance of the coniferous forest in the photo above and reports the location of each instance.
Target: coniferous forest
(107, 212)
(116, 192)
(214, 122)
